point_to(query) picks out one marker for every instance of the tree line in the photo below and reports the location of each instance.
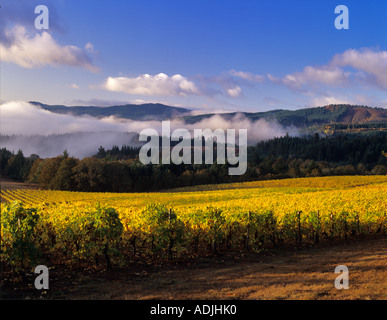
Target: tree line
(119, 170)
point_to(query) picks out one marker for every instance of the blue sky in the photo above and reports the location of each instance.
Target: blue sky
(206, 55)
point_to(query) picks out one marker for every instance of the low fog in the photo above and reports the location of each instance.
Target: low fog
(36, 131)
(79, 145)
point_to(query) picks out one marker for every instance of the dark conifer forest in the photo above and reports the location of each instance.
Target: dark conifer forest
(119, 169)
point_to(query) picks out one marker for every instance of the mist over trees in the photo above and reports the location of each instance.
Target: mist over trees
(119, 170)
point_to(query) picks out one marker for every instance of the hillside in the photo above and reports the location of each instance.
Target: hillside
(345, 114)
(149, 111)
(358, 114)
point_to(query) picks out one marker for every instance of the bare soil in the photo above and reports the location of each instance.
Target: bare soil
(305, 273)
(10, 184)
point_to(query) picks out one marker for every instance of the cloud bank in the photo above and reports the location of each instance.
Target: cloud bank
(82, 136)
(79, 145)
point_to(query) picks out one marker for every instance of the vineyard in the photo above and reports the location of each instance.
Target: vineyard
(104, 229)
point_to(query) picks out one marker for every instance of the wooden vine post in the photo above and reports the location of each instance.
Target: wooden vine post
(299, 226)
(248, 231)
(170, 236)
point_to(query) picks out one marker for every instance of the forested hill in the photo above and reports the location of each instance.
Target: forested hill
(149, 111)
(346, 114)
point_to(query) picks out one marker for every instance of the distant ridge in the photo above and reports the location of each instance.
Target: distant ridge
(338, 113)
(342, 113)
(148, 111)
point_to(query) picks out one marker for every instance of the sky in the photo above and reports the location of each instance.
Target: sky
(212, 56)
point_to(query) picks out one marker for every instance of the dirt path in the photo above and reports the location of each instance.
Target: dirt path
(304, 274)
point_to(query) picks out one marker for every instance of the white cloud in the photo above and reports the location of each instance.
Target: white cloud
(248, 76)
(328, 100)
(73, 86)
(234, 92)
(310, 76)
(148, 85)
(273, 78)
(89, 47)
(369, 67)
(258, 130)
(371, 62)
(40, 49)
(24, 120)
